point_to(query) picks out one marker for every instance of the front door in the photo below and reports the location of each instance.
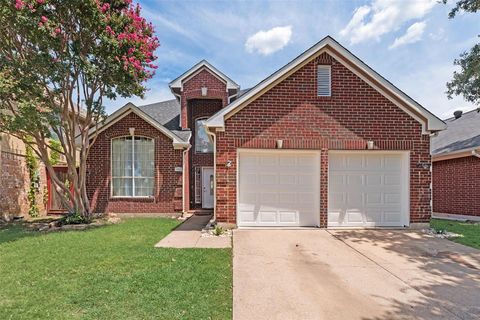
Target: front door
(207, 188)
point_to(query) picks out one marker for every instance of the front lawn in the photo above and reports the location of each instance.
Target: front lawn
(111, 272)
(470, 231)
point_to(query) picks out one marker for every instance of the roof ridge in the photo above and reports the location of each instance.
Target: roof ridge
(463, 113)
(154, 103)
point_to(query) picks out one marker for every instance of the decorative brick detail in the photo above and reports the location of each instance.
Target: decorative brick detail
(353, 115)
(168, 183)
(14, 186)
(456, 186)
(192, 89)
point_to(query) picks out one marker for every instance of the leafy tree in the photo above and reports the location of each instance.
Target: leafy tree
(466, 82)
(58, 60)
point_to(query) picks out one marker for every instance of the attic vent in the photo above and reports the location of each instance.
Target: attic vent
(324, 81)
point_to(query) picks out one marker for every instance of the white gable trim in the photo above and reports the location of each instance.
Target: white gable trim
(129, 108)
(429, 121)
(203, 65)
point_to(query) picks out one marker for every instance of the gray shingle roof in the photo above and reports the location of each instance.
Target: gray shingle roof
(167, 113)
(462, 133)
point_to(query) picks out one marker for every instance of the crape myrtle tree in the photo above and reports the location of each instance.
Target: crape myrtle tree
(59, 60)
(466, 81)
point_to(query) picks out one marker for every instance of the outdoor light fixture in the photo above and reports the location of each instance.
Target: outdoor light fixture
(370, 145)
(204, 91)
(423, 165)
(132, 131)
(229, 163)
(279, 144)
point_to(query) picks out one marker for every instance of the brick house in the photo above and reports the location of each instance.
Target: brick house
(456, 167)
(324, 141)
(15, 180)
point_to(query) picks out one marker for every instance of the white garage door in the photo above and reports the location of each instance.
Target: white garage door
(368, 189)
(278, 188)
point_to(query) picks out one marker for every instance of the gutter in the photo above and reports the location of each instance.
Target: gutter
(475, 153)
(184, 153)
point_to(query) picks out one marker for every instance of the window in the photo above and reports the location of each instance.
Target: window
(198, 185)
(324, 81)
(202, 140)
(133, 164)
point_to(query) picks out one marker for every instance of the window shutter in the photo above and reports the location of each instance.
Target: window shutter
(324, 81)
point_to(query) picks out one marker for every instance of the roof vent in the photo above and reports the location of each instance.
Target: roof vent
(457, 114)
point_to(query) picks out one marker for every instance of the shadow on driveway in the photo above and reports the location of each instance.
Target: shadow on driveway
(361, 274)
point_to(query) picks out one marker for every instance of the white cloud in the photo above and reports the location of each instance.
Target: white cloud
(268, 41)
(413, 34)
(384, 16)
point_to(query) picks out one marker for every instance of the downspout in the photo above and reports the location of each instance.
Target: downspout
(475, 153)
(184, 154)
(214, 137)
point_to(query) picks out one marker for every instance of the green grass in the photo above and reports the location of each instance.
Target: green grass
(111, 272)
(470, 231)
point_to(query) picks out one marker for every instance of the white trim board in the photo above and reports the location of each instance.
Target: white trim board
(430, 123)
(204, 64)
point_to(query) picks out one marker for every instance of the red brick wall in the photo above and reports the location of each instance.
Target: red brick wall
(168, 192)
(193, 106)
(14, 186)
(456, 186)
(293, 112)
(192, 90)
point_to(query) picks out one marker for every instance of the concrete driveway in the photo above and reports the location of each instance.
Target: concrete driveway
(365, 274)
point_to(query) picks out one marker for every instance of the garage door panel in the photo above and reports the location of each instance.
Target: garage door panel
(374, 198)
(372, 162)
(354, 179)
(288, 216)
(354, 216)
(286, 189)
(368, 189)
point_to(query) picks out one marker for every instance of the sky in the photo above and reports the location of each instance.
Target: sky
(412, 43)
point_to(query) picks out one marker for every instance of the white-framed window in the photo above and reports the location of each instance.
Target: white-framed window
(203, 144)
(133, 167)
(324, 80)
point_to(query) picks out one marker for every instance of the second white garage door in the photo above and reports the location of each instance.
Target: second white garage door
(278, 188)
(368, 189)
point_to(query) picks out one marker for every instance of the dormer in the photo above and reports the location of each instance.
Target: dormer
(202, 82)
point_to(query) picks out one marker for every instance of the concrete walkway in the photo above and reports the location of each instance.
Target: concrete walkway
(363, 274)
(189, 235)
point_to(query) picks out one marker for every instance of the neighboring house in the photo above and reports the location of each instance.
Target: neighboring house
(456, 166)
(324, 141)
(15, 180)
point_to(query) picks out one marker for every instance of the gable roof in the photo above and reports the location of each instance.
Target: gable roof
(429, 121)
(461, 136)
(163, 116)
(204, 64)
(167, 113)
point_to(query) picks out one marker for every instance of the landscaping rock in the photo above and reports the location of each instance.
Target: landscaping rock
(442, 234)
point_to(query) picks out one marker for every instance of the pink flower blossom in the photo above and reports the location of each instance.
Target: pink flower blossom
(40, 1)
(19, 4)
(58, 30)
(44, 19)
